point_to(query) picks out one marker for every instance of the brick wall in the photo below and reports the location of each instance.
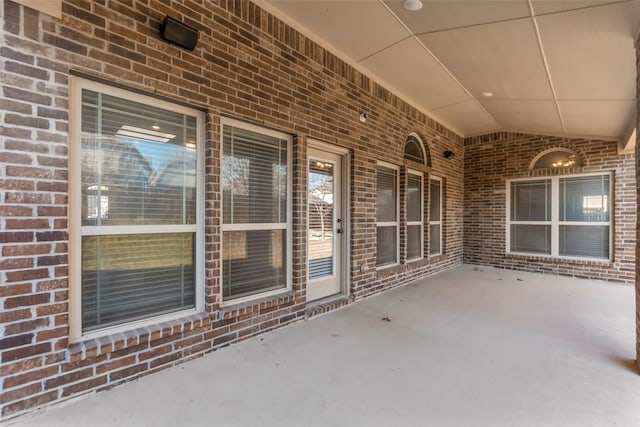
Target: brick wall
(491, 159)
(247, 65)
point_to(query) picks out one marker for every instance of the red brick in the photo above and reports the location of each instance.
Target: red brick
(26, 224)
(68, 378)
(83, 386)
(31, 402)
(24, 352)
(24, 275)
(27, 300)
(31, 376)
(18, 250)
(128, 372)
(16, 263)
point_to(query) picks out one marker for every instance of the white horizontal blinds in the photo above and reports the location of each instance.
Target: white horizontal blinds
(414, 198)
(128, 277)
(414, 216)
(138, 161)
(531, 238)
(584, 199)
(254, 190)
(531, 200)
(138, 169)
(386, 208)
(320, 199)
(530, 229)
(584, 210)
(435, 217)
(387, 216)
(435, 210)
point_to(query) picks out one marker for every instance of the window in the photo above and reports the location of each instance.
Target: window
(387, 216)
(556, 158)
(413, 149)
(136, 208)
(435, 216)
(256, 204)
(565, 216)
(415, 231)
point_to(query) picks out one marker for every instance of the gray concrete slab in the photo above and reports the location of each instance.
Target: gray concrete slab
(468, 347)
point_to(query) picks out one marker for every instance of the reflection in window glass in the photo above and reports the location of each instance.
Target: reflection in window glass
(137, 168)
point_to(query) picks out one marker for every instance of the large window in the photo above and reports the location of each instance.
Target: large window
(435, 216)
(256, 238)
(566, 216)
(415, 231)
(136, 222)
(387, 216)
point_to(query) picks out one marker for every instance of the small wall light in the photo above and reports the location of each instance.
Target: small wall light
(178, 33)
(363, 117)
(448, 154)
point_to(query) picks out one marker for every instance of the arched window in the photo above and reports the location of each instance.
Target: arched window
(556, 158)
(413, 149)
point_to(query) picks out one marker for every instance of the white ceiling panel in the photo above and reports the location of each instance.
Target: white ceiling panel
(607, 119)
(526, 116)
(416, 75)
(502, 58)
(469, 118)
(345, 25)
(590, 52)
(444, 15)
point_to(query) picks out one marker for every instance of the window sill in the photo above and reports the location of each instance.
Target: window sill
(550, 258)
(232, 306)
(113, 342)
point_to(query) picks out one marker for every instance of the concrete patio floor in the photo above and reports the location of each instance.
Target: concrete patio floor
(472, 346)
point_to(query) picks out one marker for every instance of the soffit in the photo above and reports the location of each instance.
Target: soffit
(561, 67)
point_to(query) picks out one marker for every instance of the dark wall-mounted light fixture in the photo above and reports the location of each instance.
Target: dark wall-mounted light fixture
(448, 154)
(178, 33)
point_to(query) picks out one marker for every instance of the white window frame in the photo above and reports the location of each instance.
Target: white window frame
(77, 231)
(555, 218)
(395, 223)
(438, 222)
(421, 222)
(226, 121)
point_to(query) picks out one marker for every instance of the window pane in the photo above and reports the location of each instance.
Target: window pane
(584, 198)
(386, 197)
(254, 177)
(531, 200)
(412, 150)
(253, 262)
(320, 199)
(414, 240)
(387, 246)
(531, 238)
(127, 277)
(434, 200)
(586, 241)
(138, 163)
(414, 198)
(434, 239)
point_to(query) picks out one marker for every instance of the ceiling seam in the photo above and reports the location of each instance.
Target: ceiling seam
(546, 65)
(446, 70)
(500, 21)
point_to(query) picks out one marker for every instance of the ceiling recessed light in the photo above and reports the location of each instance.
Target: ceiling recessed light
(412, 5)
(487, 94)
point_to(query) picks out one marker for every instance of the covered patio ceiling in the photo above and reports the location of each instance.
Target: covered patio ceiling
(563, 68)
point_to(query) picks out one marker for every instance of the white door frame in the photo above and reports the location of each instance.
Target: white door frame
(345, 189)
